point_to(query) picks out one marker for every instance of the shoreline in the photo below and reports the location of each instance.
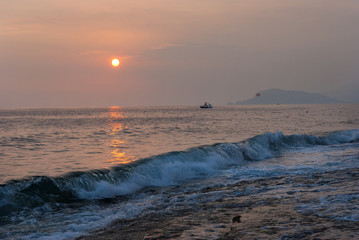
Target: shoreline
(283, 207)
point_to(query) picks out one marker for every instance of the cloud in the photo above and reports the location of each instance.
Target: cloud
(92, 52)
(179, 53)
(166, 45)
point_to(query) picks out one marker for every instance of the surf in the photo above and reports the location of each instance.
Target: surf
(168, 169)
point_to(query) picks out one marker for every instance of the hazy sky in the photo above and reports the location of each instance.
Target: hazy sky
(172, 52)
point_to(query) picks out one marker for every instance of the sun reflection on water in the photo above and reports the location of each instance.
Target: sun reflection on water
(118, 155)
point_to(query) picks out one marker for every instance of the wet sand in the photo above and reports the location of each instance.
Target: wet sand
(311, 206)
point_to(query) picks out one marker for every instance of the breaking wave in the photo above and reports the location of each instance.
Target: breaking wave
(168, 169)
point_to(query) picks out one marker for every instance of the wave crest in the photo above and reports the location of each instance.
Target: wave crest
(163, 170)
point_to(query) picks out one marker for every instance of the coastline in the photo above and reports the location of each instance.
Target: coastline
(282, 207)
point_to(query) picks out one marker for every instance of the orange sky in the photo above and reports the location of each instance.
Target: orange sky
(58, 53)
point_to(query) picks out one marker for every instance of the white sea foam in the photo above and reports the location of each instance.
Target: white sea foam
(224, 163)
(178, 167)
(342, 207)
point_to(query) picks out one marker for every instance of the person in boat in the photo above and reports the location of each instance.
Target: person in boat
(206, 105)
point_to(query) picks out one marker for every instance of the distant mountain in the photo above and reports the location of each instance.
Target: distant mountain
(278, 96)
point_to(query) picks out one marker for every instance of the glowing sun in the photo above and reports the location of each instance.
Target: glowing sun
(115, 62)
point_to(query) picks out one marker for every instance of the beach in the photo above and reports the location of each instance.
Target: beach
(283, 207)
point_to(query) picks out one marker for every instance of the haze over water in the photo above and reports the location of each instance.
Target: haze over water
(58, 54)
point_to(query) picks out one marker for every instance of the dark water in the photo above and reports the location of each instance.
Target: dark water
(65, 172)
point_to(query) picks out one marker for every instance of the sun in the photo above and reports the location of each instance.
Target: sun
(115, 62)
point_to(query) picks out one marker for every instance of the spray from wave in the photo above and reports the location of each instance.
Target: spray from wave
(163, 170)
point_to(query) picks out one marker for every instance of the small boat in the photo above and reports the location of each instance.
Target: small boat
(206, 105)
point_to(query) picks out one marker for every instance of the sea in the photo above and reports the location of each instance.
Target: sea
(65, 172)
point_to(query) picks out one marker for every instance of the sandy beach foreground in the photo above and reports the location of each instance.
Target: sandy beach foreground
(312, 206)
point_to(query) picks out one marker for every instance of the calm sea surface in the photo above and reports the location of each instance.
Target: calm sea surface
(57, 164)
(52, 142)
